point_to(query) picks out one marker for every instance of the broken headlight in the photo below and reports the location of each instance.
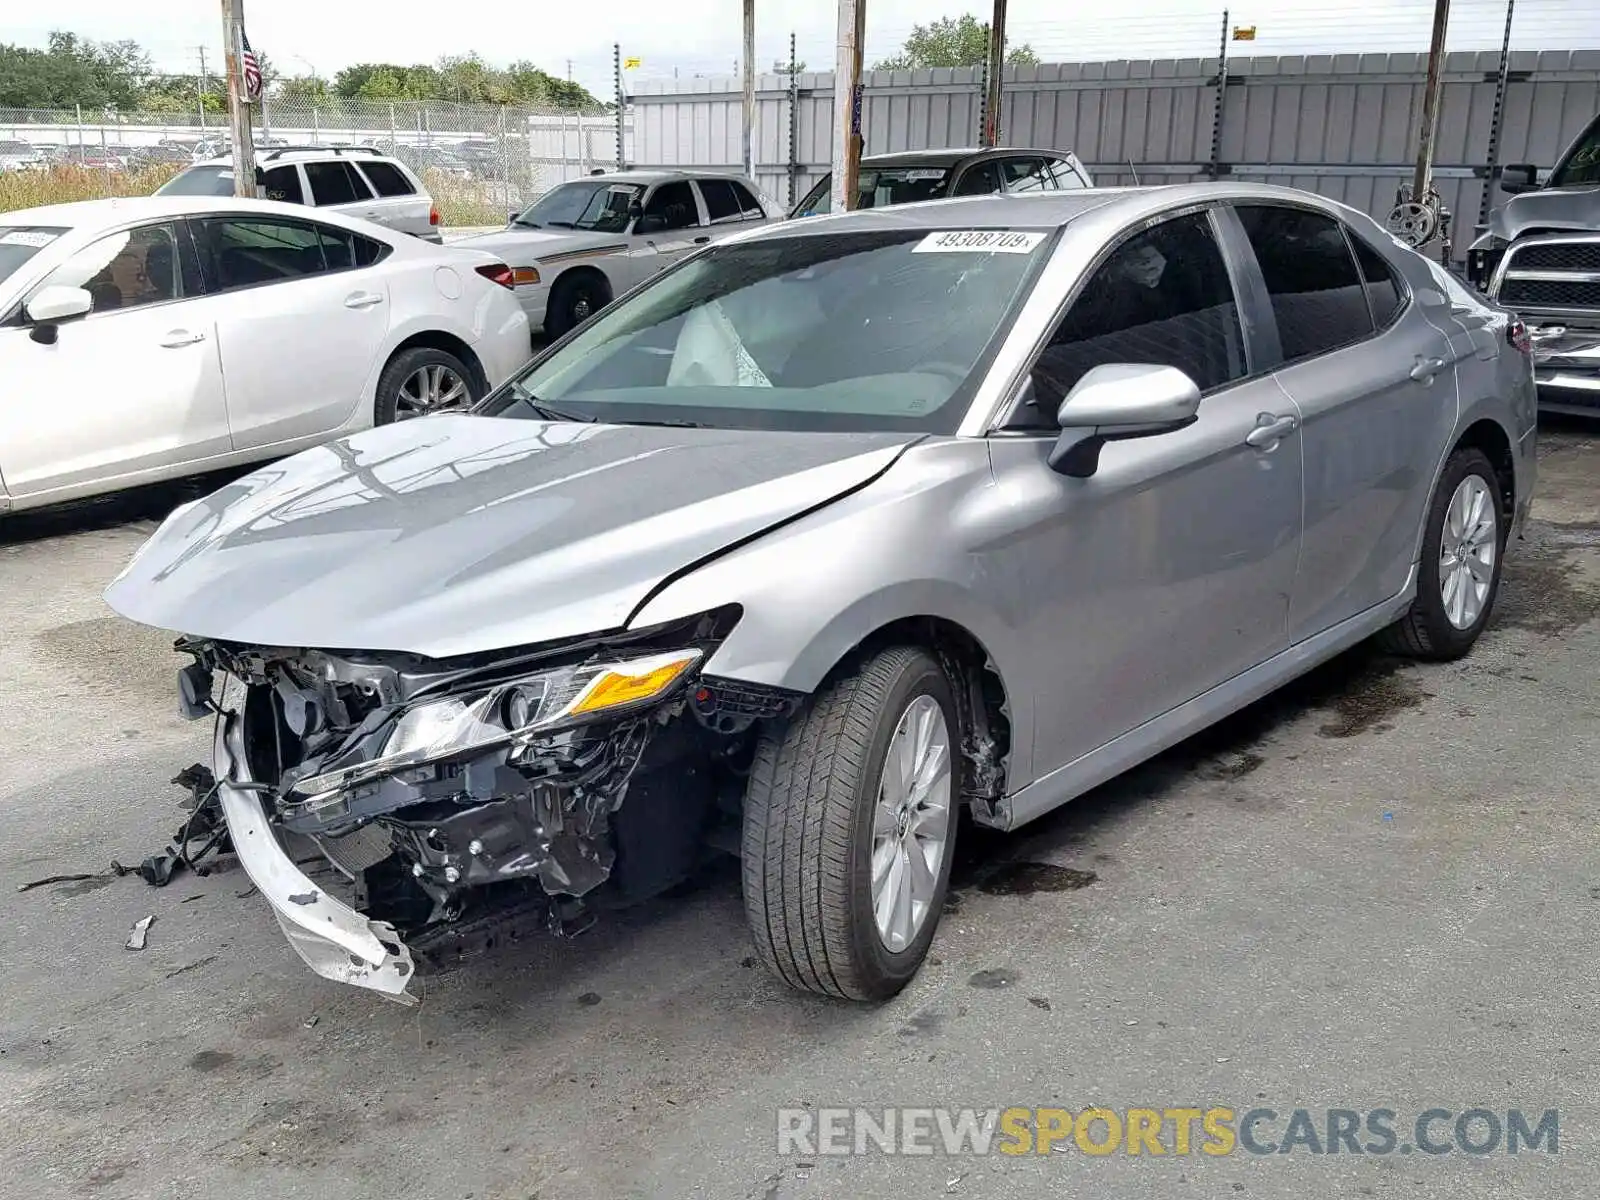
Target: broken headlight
(430, 730)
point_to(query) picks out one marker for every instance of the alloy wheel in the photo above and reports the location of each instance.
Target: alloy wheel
(1467, 549)
(911, 822)
(431, 388)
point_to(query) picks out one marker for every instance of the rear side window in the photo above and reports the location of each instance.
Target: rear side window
(1383, 289)
(386, 179)
(1318, 296)
(1026, 175)
(245, 252)
(1065, 177)
(281, 184)
(344, 250)
(721, 204)
(335, 183)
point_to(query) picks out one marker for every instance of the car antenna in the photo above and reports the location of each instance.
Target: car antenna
(1135, 171)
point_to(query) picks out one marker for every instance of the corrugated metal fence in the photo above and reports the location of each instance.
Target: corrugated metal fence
(1343, 125)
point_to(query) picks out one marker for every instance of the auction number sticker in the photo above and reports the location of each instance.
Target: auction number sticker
(37, 238)
(978, 241)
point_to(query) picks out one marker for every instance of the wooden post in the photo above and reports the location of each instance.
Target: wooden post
(244, 149)
(748, 140)
(997, 68)
(1430, 103)
(847, 104)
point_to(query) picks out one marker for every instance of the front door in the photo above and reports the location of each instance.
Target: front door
(300, 322)
(133, 391)
(1169, 570)
(1375, 381)
(669, 228)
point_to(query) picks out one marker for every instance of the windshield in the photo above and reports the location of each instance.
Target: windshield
(879, 330)
(596, 205)
(878, 188)
(19, 243)
(1582, 164)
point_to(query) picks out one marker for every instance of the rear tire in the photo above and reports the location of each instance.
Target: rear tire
(1450, 612)
(816, 823)
(421, 381)
(576, 297)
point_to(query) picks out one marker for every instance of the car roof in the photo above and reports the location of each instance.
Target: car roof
(951, 155)
(134, 208)
(646, 175)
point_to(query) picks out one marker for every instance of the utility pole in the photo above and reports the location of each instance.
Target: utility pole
(747, 139)
(205, 85)
(1430, 103)
(997, 66)
(244, 150)
(847, 104)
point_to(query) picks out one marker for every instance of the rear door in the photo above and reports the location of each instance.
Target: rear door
(132, 390)
(1376, 383)
(303, 315)
(400, 202)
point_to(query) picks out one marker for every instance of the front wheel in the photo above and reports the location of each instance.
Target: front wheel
(849, 827)
(575, 298)
(1463, 543)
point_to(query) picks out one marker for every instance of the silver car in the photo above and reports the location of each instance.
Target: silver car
(831, 531)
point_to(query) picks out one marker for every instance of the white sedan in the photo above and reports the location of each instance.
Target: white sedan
(584, 243)
(162, 336)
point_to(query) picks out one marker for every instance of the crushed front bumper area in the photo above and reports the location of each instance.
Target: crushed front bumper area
(1566, 367)
(335, 941)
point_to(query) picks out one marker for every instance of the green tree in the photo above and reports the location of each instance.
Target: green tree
(951, 42)
(73, 70)
(464, 79)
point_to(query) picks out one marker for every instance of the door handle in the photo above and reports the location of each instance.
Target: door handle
(178, 338)
(1270, 430)
(362, 300)
(1426, 369)
(701, 241)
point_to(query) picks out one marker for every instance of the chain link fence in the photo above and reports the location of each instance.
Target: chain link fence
(478, 160)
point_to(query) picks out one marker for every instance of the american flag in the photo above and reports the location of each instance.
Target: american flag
(251, 69)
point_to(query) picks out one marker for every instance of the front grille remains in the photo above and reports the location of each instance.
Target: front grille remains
(1562, 274)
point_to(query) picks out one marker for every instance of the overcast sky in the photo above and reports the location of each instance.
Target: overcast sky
(703, 36)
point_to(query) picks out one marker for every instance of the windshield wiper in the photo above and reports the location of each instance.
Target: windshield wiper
(547, 411)
(525, 224)
(668, 424)
(561, 224)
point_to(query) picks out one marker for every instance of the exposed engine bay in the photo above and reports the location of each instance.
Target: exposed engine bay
(462, 802)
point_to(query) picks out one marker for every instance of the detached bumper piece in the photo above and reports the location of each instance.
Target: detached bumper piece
(335, 941)
(1566, 366)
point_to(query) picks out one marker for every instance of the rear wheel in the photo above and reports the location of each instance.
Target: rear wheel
(849, 828)
(1462, 546)
(422, 381)
(576, 297)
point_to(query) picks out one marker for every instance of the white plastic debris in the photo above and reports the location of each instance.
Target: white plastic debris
(136, 938)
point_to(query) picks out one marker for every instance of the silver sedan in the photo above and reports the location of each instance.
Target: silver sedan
(830, 531)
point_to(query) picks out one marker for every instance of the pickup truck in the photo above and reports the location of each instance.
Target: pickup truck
(1540, 257)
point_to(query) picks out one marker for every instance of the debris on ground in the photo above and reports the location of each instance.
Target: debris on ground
(140, 929)
(205, 825)
(49, 879)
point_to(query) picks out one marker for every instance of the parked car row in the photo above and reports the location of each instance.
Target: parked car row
(812, 537)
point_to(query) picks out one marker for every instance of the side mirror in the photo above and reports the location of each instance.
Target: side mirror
(635, 211)
(511, 217)
(1519, 177)
(53, 305)
(1116, 401)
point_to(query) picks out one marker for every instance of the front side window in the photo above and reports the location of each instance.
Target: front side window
(1163, 298)
(597, 205)
(980, 180)
(126, 270)
(671, 206)
(880, 330)
(1317, 293)
(1026, 175)
(240, 252)
(1582, 164)
(335, 183)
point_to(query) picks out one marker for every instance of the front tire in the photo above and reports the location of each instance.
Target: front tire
(1463, 545)
(849, 828)
(576, 297)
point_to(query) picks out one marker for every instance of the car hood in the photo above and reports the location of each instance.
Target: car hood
(1551, 209)
(457, 534)
(535, 245)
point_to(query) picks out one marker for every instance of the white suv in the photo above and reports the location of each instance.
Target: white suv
(353, 180)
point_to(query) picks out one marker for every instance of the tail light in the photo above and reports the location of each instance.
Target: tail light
(498, 273)
(433, 214)
(1517, 334)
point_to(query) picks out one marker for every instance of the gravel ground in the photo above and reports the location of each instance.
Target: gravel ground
(1379, 888)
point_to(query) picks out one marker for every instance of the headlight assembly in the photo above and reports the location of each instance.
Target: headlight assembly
(510, 712)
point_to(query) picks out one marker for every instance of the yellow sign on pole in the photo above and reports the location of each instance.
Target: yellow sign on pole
(1244, 33)
(629, 64)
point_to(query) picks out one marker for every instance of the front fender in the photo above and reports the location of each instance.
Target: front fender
(814, 589)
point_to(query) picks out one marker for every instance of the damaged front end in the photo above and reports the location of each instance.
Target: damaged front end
(463, 802)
